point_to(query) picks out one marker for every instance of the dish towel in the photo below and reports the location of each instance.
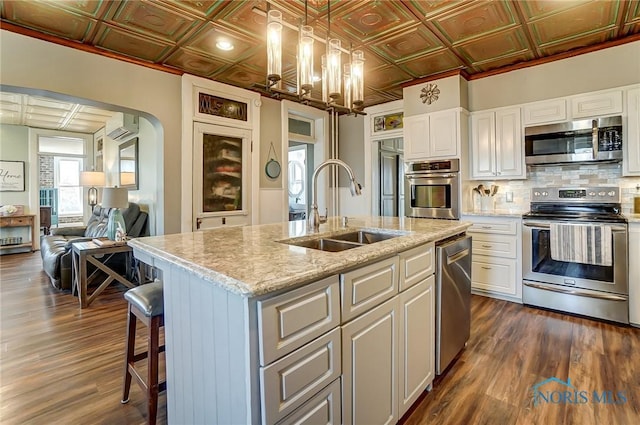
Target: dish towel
(581, 243)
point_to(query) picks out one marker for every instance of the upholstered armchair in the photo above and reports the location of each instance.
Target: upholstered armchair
(55, 248)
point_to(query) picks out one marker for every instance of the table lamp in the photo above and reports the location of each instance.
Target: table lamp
(93, 179)
(115, 198)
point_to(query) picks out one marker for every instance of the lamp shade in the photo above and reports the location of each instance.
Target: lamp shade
(92, 178)
(115, 197)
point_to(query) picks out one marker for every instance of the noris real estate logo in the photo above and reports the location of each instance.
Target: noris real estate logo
(556, 391)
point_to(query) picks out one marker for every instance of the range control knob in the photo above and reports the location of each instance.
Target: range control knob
(592, 194)
(611, 193)
(545, 193)
(601, 193)
(536, 193)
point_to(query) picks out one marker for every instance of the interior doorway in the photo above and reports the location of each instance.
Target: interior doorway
(391, 177)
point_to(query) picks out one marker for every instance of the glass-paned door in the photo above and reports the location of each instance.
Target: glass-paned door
(221, 175)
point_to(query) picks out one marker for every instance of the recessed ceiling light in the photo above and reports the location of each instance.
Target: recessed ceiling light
(224, 45)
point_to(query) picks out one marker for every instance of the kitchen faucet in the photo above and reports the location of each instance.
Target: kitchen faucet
(314, 218)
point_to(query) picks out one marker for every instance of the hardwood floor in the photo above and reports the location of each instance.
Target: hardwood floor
(63, 365)
(60, 364)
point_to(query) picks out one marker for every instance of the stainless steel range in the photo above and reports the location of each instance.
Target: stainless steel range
(575, 252)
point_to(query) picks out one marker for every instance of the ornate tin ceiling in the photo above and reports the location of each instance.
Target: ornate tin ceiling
(402, 40)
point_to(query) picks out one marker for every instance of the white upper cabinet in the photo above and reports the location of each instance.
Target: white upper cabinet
(497, 145)
(596, 104)
(547, 111)
(631, 140)
(432, 136)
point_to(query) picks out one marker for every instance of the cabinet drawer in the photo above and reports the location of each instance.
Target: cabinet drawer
(494, 274)
(503, 227)
(290, 320)
(416, 265)
(323, 408)
(289, 382)
(17, 221)
(366, 287)
(495, 245)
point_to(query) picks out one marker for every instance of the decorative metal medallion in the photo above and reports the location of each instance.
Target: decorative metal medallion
(430, 94)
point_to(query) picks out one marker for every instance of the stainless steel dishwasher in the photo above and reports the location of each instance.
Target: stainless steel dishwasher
(453, 298)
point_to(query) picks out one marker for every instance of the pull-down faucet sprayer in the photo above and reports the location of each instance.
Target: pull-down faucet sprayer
(314, 218)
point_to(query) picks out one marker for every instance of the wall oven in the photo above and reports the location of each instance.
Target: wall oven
(575, 141)
(432, 189)
(575, 252)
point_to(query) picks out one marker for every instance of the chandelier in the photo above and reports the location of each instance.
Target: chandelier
(341, 87)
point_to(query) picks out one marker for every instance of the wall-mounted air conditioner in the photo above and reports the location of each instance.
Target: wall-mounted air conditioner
(122, 126)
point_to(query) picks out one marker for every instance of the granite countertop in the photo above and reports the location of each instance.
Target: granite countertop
(249, 260)
(633, 218)
(497, 213)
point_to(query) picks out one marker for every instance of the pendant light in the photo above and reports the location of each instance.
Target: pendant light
(274, 46)
(357, 79)
(305, 56)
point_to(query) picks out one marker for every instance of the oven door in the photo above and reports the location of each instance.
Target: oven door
(432, 196)
(538, 266)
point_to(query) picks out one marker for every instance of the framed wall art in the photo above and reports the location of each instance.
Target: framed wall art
(12, 176)
(387, 122)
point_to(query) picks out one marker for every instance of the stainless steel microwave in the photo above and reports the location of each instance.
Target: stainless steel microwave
(575, 141)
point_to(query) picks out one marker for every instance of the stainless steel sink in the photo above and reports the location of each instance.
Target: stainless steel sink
(342, 241)
(323, 244)
(364, 237)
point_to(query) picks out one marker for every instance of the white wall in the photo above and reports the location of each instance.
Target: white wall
(613, 67)
(147, 195)
(31, 65)
(14, 146)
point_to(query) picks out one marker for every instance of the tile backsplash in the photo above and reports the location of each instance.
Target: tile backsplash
(570, 175)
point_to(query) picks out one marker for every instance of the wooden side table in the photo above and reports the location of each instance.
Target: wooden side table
(23, 220)
(86, 252)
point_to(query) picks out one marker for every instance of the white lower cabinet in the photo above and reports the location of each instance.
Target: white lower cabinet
(496, 266)
(416, 339)
(369, 359)
(358, 348)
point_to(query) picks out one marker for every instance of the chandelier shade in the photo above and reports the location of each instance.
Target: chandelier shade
(274, 46)
(305, 59)
(357, 78)
(334, 64)
(347, 81)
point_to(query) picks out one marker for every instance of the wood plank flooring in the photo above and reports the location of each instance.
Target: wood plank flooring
(63, 365)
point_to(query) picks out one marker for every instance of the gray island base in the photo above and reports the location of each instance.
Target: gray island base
(261, 330)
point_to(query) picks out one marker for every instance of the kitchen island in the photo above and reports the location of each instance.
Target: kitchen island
(257, 329)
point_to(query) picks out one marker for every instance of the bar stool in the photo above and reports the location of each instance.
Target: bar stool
(146, 304)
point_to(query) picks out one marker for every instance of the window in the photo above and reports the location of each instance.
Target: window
(67, 180)
(68, 161)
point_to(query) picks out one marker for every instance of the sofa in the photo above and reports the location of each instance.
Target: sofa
(55, 248)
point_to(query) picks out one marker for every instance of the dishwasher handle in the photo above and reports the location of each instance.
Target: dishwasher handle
(458, 255)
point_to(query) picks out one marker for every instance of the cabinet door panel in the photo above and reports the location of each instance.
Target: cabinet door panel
(369, 358)
(631, 163)
(545, 112)
(416, 133)
(591, 105)
(416, 336)
(443, 134)
(509, 143)
(483, 145)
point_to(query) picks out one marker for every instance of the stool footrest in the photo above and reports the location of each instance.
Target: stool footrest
(143, 355)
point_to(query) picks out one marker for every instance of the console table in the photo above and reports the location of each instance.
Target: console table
(22, 220)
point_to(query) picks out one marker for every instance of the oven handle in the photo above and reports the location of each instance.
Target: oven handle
(609, 297)
(540, 225)
(414, 176)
